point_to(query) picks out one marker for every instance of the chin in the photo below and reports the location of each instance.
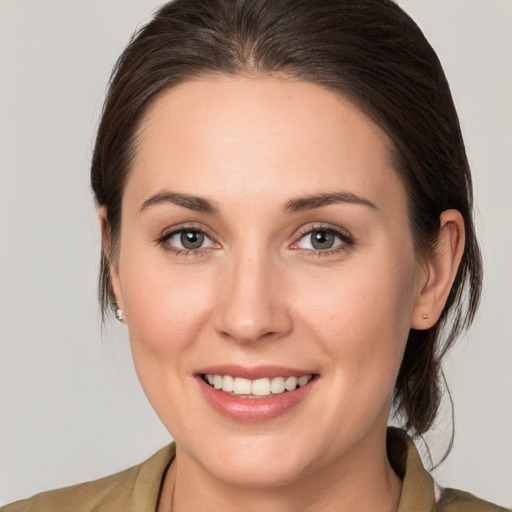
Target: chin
(257, 474)
(254, 462)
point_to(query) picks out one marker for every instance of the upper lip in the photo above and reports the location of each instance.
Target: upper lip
(253, 372)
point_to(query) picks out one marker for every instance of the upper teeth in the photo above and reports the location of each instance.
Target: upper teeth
(258, 387)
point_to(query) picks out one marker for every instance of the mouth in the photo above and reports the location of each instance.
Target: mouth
(257, 394)
(256, 388)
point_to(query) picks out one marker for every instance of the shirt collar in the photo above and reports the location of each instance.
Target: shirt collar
(417, 484)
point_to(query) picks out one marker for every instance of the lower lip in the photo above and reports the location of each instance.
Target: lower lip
(251, 410)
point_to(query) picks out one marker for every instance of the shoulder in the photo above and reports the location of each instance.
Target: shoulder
(81, 497)
(420, 492)
(137, 488)
(453, 500)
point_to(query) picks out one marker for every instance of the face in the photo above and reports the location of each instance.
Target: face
(265, 246)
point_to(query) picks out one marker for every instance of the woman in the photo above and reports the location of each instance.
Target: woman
(286, 214)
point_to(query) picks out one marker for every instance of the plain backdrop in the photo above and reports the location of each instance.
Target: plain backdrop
(71, 408)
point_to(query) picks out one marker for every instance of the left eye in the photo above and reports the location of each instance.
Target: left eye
(189, 239)
(321, 240)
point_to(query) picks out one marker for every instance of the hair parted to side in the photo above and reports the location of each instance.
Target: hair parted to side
(368, 50)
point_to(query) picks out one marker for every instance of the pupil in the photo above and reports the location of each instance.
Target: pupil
(192, 239)
(322, 239)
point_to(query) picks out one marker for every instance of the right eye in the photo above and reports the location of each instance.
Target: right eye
(187, 241)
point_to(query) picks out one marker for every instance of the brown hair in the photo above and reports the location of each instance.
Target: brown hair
(367, 50)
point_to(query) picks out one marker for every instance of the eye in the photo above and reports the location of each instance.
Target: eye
(187, 240)
(319, 240)
(323, 240)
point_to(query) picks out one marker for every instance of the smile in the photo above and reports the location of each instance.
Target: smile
(255, 394)
(264, 387)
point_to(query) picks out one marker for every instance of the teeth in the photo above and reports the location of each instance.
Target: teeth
(302, 381)
(258, 387)
(217, 381)
(242, 386)
(228, 383)
(290, 383)
(277, 385)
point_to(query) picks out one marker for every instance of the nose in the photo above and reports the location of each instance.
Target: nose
(251, 304)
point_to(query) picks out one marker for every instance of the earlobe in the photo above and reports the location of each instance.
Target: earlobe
(106, 243)
(441, 269)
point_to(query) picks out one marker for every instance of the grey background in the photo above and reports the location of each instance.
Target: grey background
(71, 408)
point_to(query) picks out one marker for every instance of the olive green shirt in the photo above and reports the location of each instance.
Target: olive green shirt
(137, 489)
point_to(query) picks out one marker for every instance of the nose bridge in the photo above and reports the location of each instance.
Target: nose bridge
(250, 306)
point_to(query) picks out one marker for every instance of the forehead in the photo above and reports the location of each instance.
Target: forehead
(228, 137)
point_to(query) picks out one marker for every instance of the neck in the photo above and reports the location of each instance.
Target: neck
(362, 480)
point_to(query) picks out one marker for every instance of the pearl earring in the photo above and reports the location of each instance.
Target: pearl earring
(425, 317)
(119, 314)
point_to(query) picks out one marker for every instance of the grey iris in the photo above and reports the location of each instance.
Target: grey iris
(192, 239)
(322, 239)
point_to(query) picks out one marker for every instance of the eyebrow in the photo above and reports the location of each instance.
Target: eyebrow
(198, 204)
(318, 200)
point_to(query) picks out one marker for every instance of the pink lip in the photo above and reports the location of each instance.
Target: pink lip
(257, 372)
(252, 410)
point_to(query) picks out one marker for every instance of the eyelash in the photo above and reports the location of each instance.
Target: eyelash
(346, 241)
(196, 253)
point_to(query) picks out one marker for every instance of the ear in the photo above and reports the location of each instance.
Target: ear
(441, 269)
(106, 243)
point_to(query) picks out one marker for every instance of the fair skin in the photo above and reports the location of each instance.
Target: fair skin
(259, 289)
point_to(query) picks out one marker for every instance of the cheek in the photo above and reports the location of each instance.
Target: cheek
(166, 309)
(363, 319)
(165, 305)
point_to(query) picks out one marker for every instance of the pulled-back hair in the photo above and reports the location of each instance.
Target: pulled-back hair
(371, 52)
